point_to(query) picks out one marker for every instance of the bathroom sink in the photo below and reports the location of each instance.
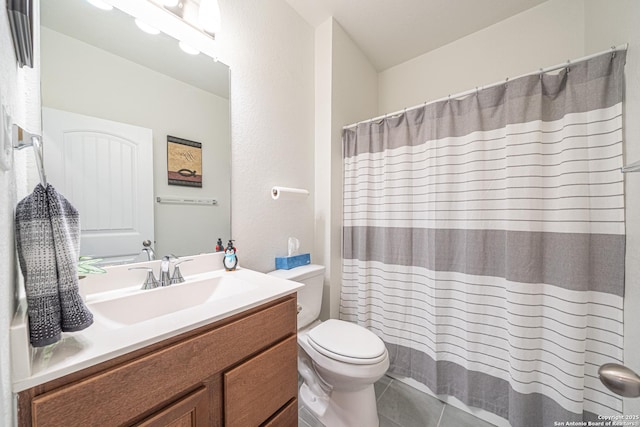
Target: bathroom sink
(127, 318)
(145, 305)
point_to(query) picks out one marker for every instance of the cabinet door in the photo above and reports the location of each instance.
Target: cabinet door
(190, 411)
(258, 388)
(122, 393)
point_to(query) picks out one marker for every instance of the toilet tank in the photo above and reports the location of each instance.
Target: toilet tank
(309, 297)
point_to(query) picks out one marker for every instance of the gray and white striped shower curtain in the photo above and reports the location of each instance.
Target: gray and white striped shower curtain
(484, 242)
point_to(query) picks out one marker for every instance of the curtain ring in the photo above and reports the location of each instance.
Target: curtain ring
(541, 73)
(568, 69)
(613, 52)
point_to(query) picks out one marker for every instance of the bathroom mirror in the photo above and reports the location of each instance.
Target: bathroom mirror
(99, 64)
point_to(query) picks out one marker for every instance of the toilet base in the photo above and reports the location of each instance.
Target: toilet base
(342, 408)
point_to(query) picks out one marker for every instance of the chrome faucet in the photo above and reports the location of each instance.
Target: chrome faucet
(165, 277)
(177, 276)
(150, 282)
(146, 254)
(148, 250)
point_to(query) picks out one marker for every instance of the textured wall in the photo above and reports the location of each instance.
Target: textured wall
(322, 157)
(611, 26)
(354, 96)
(270, 51)
(19, 92)
(346, 91)
(545, 35)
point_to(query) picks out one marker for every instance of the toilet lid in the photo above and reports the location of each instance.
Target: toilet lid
(347, 342)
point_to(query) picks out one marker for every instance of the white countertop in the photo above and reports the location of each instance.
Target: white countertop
(105, 340)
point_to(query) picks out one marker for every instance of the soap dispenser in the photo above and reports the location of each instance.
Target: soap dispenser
(230, 259)
(219, 245)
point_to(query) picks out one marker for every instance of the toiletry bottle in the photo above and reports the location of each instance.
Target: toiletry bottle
(230, 260)
(219, 245)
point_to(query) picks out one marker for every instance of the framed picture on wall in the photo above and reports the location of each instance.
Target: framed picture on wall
(184, 162)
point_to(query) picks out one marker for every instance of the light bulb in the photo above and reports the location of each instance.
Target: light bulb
(209, 16)
(100, 4)
(146, 27)
(170, 3)
(186, 48)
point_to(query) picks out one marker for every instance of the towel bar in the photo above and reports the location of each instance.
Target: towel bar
(23, 139)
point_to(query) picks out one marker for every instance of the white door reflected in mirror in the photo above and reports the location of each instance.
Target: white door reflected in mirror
(105, 169)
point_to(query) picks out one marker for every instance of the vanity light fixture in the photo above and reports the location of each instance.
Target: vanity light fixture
(185, 28)
(146, 27)
(20, 14)
(186, 48)
(209, 16)
(100, 4)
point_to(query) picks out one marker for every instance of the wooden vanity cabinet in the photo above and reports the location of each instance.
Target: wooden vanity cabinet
(240, 371)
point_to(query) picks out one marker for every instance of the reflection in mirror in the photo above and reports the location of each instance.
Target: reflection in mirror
(111, 96)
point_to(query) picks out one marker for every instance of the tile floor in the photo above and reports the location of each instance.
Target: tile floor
(400, 405)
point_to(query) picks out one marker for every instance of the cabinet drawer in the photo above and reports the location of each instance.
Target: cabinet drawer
(258, 388)
(286, 417)
(136, 388)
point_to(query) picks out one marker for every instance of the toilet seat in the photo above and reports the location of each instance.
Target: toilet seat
(347, 342)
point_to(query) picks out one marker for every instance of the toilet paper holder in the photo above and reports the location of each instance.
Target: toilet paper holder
(278, 192)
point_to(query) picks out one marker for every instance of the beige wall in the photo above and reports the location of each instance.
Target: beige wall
(81, 78)
(545, 35)
(346, 91)
(354, 96)
(609, 24)
(20, 93)
(270, 49)
(323, 160)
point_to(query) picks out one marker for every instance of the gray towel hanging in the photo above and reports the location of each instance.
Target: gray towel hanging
(48, 242)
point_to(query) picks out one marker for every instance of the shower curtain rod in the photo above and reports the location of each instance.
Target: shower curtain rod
(479, 88)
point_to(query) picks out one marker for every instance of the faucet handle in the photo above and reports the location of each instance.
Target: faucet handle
(177, 276)
(183, 260)
(150, 282)
(165, 277)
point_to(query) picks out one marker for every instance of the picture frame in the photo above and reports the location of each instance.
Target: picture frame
(184, 162)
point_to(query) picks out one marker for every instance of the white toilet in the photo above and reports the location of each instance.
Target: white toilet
(339, 361)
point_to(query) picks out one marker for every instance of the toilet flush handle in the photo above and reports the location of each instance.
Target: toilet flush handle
(299, 309)
(620, 379)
